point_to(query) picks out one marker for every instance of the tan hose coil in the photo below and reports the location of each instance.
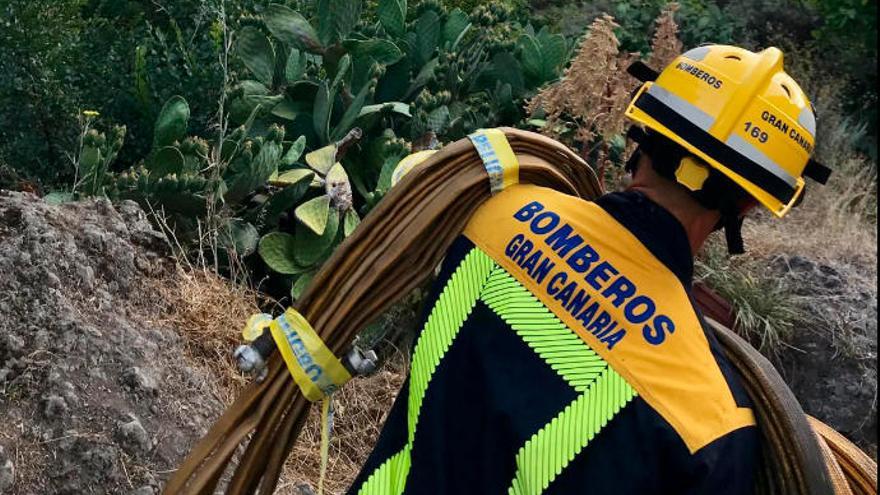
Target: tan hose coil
(792, 458)
(393, 251)
(858, 470)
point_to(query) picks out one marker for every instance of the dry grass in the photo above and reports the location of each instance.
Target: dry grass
(764, 310)
(208, 312)
(836, 223)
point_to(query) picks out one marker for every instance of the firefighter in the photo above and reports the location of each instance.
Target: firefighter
(561, 351)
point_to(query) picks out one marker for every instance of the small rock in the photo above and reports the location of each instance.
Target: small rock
(52, 280)
(799, 263)
(68, 391)
(7, 472)
(97, 373)
(304, 489)
(133, 436)
(140, 381)
(55, 407)
(86, 275)
(143, 264)
(41, 339)
(100, 458)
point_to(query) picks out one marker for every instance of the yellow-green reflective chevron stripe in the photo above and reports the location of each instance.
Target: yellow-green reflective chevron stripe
(449, 313)
(603, 392)
(551, 449)
(554, 342)
(455, 303)
(390, 477)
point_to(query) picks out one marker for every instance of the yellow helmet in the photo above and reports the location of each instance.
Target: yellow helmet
(740, 113)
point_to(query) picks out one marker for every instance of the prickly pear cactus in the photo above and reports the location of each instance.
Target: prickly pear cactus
(172, 122)
(542, 56)
(97, 154)
(255, 164)
(175, 194)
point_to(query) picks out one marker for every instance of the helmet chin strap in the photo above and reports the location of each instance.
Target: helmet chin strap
(732, 224)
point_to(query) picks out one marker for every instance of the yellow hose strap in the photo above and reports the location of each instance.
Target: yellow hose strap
(498, 158)
(326, 427)
(255, 326)
(409, 163)
(314, 368)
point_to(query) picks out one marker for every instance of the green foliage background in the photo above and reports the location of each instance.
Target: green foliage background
(303, 75)
(124, 58)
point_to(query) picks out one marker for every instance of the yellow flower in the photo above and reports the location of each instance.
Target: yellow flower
(90, 113)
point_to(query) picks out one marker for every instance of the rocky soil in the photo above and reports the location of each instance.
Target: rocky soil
(92, 400)
(831, 361)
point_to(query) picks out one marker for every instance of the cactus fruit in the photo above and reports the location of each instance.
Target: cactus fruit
(96, 155)
(179, 194)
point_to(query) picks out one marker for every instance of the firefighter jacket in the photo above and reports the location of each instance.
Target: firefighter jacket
(561, 353)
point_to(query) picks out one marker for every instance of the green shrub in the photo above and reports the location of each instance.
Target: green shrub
(469, 5)
(847, 38)
(122, 58)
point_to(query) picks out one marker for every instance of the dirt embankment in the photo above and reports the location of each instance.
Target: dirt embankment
(831, 361)
(92, 399)
(114, 362)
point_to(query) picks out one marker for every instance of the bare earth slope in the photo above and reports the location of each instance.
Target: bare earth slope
(91, 399)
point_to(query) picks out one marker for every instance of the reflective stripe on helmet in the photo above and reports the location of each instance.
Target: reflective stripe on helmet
(692, 113)
(807, 120)
(754, 154)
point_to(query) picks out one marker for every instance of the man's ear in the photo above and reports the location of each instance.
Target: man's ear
(632, 163)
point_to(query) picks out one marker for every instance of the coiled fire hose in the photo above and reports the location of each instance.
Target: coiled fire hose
(393, 251)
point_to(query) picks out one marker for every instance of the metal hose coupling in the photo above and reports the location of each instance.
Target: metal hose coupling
(360, 362)
(252, 357)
